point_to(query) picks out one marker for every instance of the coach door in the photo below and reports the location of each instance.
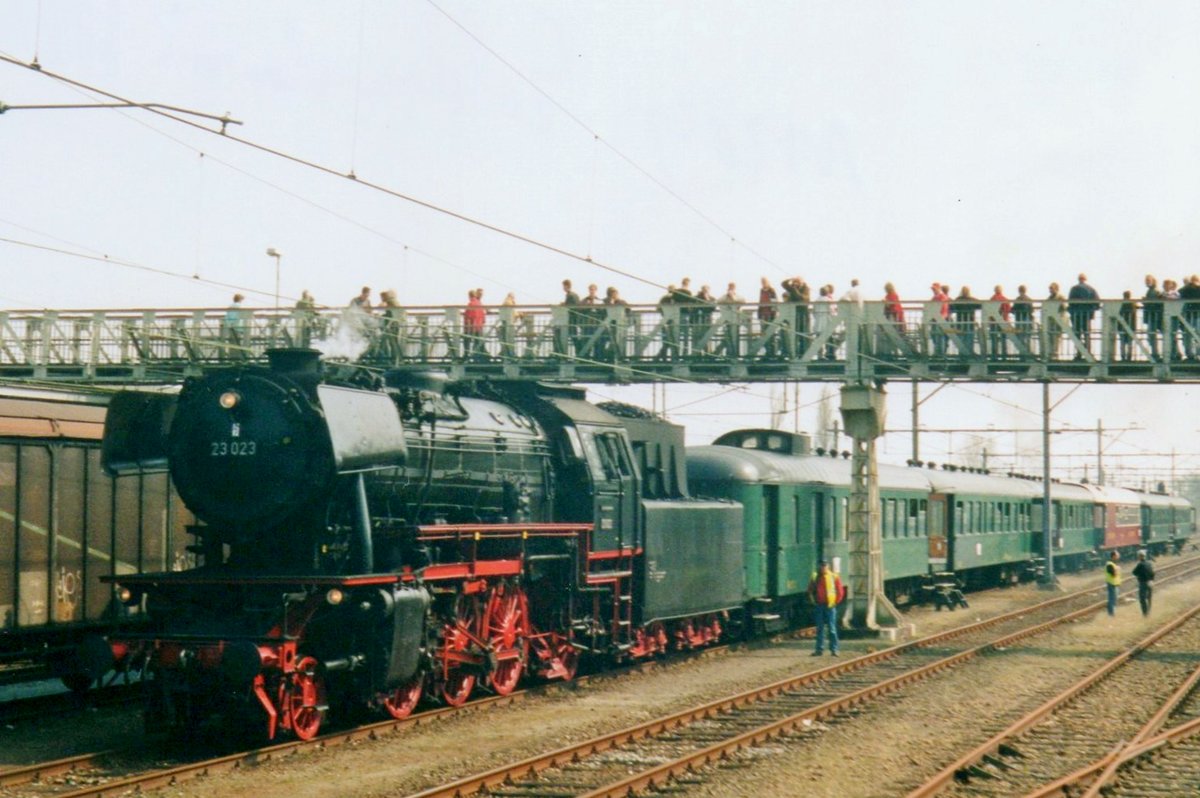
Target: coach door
(938, 532)
(773, 535)
(822, 505)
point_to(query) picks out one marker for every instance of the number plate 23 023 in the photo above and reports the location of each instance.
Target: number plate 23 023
(234, 448)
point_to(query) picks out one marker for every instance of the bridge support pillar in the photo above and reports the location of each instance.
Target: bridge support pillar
(864, 412)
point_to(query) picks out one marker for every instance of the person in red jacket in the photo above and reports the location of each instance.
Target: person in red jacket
(474, 317)
(826, 592)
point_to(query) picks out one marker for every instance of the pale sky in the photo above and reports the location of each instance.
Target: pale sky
(972, 143)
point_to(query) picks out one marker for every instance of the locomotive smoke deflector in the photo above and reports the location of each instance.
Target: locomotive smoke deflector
(135, 432)
(364, 428)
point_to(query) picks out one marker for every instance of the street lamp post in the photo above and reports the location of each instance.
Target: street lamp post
(274, 253)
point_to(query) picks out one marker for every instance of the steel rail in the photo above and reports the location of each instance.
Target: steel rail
(948, 774)
(1118, 757)
(223, 764)
(29, 773)
(664, 773)
(540, 762)
(1099, 773)
(43, 770)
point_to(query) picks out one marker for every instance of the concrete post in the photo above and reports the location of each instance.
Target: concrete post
(864, 413)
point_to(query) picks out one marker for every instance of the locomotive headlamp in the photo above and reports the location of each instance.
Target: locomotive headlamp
(229, 399)
(127, 596)
(335, 597)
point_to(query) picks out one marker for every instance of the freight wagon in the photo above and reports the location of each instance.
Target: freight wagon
(64, 524)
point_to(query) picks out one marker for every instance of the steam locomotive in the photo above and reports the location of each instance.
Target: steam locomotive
(367, 542)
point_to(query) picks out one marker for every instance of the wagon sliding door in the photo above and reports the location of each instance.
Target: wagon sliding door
(938, 532)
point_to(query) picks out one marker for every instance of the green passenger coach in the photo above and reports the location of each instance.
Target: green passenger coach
(939, 526)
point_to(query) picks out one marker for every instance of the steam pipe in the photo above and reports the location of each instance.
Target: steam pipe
(364, 560)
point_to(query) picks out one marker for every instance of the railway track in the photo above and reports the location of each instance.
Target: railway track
(844, 684)
(1166, 764)
(117, 771)
(1071, 739)
(671, 749)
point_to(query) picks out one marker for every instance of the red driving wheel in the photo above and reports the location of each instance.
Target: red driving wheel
(302, 699)
(505, 626)
(400, 703)
(457, 682)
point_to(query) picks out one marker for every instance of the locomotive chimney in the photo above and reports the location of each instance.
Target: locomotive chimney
(295, 362)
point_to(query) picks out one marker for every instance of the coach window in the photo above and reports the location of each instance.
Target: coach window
(796, 525)
(843, 520)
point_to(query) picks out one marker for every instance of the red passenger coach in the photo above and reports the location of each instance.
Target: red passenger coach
(1119, 514)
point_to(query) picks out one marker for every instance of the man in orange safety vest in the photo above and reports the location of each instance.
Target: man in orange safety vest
(826, 592)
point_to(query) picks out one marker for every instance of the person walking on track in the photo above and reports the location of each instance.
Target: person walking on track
(1144, 573)
(1112, 578)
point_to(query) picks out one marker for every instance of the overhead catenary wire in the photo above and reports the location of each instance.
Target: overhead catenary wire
(130, 265)
(734, 240)
(164, 272)
(379, 187)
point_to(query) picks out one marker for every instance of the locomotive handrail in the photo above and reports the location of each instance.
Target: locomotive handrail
(191, 578)
(1122, 340)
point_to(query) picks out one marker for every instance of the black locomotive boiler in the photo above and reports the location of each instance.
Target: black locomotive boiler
(366, 542)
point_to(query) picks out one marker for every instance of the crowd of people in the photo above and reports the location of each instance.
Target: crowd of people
(785, 322)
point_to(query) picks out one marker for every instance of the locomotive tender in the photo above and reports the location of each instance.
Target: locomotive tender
(368, 542)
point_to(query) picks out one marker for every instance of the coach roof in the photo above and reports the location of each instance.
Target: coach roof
(730, 464)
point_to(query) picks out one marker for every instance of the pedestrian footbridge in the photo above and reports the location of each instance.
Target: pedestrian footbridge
(837, 342)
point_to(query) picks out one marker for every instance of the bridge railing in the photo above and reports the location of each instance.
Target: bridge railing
(833, 337)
